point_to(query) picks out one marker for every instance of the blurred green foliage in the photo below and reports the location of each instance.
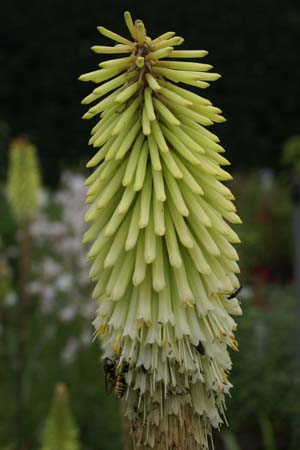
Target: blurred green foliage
(291, 154)
(266, 240)
(266, 394)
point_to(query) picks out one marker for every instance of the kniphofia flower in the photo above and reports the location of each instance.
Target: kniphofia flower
(163, 260)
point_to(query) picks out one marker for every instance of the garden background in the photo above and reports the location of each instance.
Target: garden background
(44, 47)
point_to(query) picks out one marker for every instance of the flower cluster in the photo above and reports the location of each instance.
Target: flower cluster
(163, 260)
(60, 271)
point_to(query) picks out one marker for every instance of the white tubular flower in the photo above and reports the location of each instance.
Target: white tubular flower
(162, 254)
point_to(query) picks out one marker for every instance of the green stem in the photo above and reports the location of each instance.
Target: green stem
(22, 327)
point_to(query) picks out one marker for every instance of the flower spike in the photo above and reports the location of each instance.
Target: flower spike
(162, 248)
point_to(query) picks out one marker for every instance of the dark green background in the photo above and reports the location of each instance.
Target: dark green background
(45, 45)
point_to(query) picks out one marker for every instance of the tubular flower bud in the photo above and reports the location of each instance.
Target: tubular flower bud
(23, 185)
(60, 429)
(162, 248)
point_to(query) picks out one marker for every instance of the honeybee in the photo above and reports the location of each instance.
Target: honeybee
(109, 366)
(115, 377)
(235, 293)
(200, 348)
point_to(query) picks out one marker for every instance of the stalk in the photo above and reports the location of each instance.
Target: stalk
(23, 191)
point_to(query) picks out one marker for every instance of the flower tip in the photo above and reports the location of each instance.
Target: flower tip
(100, 29)
(140, 61)
(87, 115)
(130, 25)
(140, 26)
(84, 240)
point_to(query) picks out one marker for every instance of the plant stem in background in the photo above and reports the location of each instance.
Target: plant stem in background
(23, 188)
(162, 254)
(268, 437)
(230, 441)
(22, 321)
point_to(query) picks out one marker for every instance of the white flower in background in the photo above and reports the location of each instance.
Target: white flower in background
(50, 268)
(69, 352)
(64, 282)
(260, 335)
(86, 337)
(35, 287)
(70, 245)
(60, 275)
(246, 293)
(67, 313)
(44, 197)
(10, 299)
(267, 179)
(47, 303)
(83, 277)
(73, 182)
(88, 310)
(42, 229)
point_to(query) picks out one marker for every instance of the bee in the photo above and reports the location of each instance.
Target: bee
(114, 377)
(200, 348)
(109, 367)
(120, 385)
(235, 293)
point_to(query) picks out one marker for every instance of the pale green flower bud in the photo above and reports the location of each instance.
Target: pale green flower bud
(163, 260)
(60, 431)
(23, 184)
